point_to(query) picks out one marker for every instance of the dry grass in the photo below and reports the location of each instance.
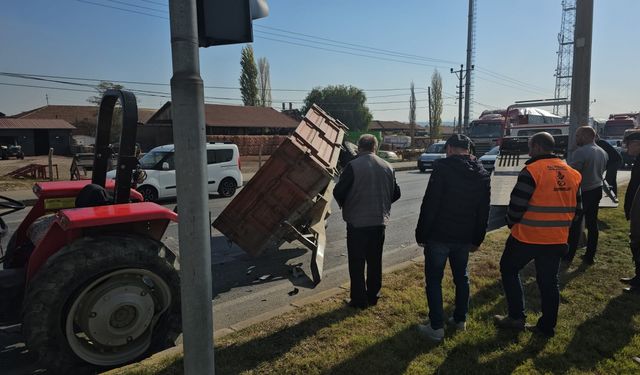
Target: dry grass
(597, 333)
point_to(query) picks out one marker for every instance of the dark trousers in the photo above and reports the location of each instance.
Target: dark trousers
(547, 261)
(435, 259)
(590, 204)
(364, 246)
(611, 177)
(635, 254)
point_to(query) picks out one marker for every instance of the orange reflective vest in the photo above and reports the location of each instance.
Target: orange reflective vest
(552, 206)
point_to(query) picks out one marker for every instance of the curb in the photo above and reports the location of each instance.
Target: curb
(292, 306)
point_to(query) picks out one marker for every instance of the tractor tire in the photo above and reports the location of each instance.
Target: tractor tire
(102, 302)
(10, 260)
(227, 187)
(149, 193)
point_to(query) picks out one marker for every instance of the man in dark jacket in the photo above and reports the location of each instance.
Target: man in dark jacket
(632, 209)
(366, 189)
(613, 164)
(453, 221)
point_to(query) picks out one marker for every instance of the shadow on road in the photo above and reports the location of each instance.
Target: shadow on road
(233, 268)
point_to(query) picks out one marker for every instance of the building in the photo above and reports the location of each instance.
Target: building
(37, 136)
(221, 120)
(391, 127)
(83, 117)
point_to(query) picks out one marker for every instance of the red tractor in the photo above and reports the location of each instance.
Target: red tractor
(86, 272)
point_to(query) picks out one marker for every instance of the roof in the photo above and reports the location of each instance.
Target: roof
(75, 113)
(391, 125)
(12, 123)
(219, 115)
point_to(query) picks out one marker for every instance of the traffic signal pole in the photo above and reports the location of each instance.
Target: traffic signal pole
(187, 113)
(581, 79)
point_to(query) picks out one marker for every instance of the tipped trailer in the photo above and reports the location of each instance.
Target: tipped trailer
(289, 198)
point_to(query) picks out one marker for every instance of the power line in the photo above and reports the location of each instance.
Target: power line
(349, 53)
(122, 9)
(146, 83)
(360, 47)
(136, 6)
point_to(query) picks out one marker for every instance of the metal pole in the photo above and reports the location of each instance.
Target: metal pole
(460, 100)
(430, 123)
(187, 112)
(467, 85)
(581, 80)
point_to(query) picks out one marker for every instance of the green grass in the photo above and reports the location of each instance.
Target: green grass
(597, 333)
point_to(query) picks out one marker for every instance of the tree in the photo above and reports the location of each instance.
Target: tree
(101, 88)
(264, 83)
(346, 103)
(436, 103)
(116, 125)
(412, 112)
(249, 77)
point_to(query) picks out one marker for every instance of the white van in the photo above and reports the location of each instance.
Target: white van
(223, 166)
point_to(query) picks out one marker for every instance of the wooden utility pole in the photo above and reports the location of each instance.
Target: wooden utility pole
(581, 79)
(430, 113)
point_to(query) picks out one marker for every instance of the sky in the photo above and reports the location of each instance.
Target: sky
(379, 46)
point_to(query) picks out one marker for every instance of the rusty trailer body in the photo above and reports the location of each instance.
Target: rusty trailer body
(289, 198)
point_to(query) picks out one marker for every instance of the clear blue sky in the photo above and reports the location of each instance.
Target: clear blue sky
(515, 38)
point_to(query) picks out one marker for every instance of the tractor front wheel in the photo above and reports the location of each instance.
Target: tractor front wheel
(103, 302)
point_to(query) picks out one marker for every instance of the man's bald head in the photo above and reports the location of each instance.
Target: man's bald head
(585, 135)
(541, 143)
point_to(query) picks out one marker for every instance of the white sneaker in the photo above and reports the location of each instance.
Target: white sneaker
(435, 335)
(460, 326)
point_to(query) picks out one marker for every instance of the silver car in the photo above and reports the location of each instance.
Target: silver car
(488, 160)
(434, 152)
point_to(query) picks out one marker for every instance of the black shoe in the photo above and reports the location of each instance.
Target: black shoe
(588, 260)
(374, 300)
(537, 331)
(356, 305)
(630, 280)
(632, 289)
(507, 322)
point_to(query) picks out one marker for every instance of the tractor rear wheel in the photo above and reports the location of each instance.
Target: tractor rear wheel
(103, 302)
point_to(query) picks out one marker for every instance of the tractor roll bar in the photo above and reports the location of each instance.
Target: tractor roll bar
(127, 160)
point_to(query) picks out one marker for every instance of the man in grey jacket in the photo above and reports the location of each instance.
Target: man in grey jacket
(365, 191)
(591, 161)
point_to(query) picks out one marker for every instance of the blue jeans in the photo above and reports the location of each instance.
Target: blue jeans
(435, 259)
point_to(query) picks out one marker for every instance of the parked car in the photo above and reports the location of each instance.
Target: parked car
(11, 151)
(488, 160)
(223, 166)
(389, 156)
(434, 152)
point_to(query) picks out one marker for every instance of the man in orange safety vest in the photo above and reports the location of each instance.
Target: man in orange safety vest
(543, 205)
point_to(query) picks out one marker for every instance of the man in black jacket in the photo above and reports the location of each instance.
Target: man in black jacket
(453, 222)
(632, 208)
(613, 164)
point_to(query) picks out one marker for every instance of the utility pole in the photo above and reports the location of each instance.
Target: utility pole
(581, 80)
(430, 124)
(187, 113)
(470, 40)
(461, 74)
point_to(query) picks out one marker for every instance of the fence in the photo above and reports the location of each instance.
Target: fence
(251, 144)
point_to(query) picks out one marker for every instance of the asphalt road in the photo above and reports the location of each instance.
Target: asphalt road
(239, 294)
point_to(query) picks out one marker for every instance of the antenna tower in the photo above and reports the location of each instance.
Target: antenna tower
(564, 70)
